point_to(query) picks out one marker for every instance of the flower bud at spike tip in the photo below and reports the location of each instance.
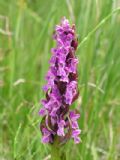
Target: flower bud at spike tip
(61, 88)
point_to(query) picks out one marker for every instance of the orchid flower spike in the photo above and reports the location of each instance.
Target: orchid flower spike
(61, 89)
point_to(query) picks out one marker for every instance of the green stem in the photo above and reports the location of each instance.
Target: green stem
(57, 152)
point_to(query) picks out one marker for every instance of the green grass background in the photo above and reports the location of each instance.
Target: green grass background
(24, 59)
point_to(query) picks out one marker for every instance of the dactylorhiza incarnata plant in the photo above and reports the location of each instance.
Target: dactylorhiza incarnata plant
(59, 121)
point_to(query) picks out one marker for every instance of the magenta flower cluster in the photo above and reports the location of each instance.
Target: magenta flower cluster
(61, 88)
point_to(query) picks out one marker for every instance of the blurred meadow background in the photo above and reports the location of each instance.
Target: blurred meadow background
(26, 28)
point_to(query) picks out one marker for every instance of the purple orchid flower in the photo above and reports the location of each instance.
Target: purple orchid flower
(61, 88)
